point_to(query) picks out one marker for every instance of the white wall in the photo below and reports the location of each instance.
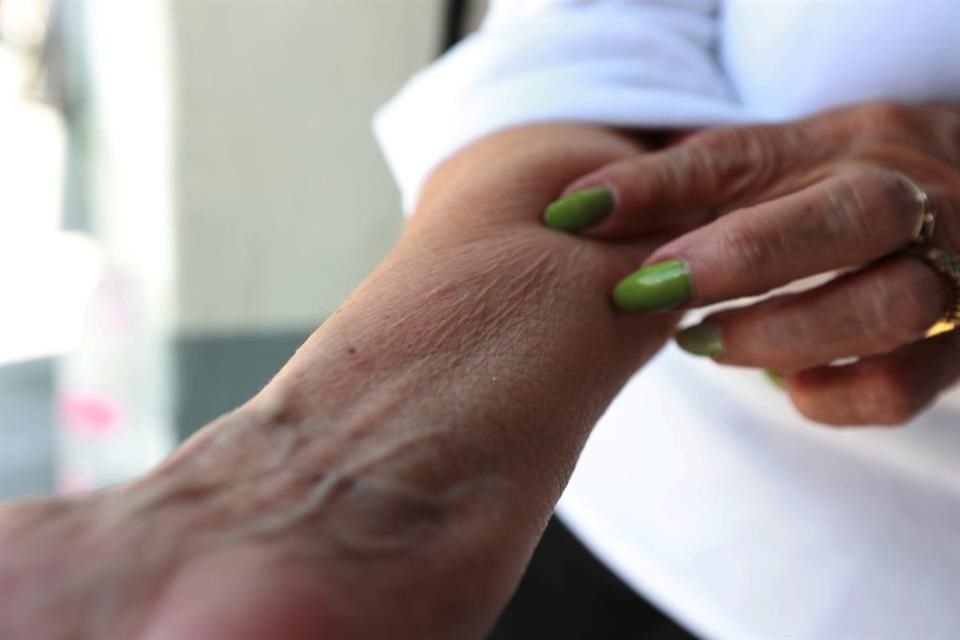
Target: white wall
(282, 201)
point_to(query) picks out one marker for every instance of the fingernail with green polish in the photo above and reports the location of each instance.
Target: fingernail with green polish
(775, 378)
(702, 340)
(579, 209)
(655, 287)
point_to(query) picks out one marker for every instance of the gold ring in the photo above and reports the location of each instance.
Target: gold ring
(923, 230)
(947, 266)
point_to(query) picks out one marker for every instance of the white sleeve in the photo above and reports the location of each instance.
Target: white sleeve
(635, 63)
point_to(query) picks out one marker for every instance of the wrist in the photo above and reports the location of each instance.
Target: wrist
(432, 422)
(475, 334)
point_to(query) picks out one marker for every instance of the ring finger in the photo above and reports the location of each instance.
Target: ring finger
(872, 311)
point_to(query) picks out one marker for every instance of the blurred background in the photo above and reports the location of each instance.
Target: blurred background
(187, 189)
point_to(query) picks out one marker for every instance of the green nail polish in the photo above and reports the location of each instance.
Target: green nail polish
(775, 378)
(702, 340)
(579, 209)
(655, 287)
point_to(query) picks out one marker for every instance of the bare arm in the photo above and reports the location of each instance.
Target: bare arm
(445, 404)
(404, 462)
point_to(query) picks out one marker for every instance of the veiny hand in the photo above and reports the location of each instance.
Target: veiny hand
(770, 205)
(194, 551)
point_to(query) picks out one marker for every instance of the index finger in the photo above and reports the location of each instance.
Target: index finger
(694, 181)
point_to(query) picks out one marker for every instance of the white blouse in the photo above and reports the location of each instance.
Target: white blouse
(701, 486)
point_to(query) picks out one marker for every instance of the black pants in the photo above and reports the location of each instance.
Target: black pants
(567, 593)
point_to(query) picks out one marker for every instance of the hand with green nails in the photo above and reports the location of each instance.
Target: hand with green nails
(753, 209)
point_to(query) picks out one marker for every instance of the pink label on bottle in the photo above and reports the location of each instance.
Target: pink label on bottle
(90, 414)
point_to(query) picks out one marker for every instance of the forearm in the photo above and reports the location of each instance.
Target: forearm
(443, 406)
(482, 311)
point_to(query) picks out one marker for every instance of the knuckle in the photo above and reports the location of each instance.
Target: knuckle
(704, 157)
(893, 188)
(898, 195)
(873, 206)
(660, 180)
(642, 181)
(751, 248)
(897, 308)
(736, 159)
(918, 299)
(883, 119)
(878, 316)
(847, 202)
(718, 140)
(871, 318)
(934, 125)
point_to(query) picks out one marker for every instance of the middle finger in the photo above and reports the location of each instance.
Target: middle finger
(851, 218)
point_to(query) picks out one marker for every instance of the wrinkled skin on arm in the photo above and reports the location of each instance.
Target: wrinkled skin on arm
(393, 478)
